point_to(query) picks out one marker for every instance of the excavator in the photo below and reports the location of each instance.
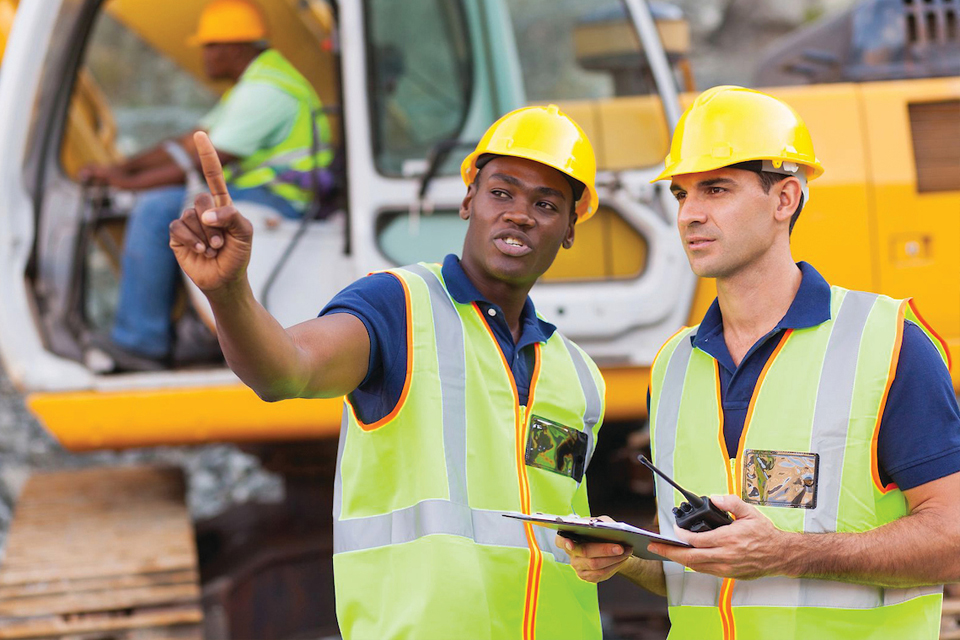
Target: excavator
(409, 88)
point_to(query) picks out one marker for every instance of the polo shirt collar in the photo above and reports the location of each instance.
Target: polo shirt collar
(810, 307)
(463, 291)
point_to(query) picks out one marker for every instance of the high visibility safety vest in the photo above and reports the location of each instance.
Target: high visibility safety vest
(287, 169)
(421, 549)
(807, 459)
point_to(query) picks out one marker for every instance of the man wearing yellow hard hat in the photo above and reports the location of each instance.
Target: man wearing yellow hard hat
(822, 419)
(461, 403)
(270, 132)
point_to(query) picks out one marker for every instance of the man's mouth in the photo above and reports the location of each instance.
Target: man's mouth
(512, 244)
(698, 242)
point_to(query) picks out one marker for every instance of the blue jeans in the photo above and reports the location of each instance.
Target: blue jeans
(148, 282)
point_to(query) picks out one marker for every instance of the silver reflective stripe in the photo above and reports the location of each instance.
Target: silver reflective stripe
(546, 540)
(689, 588)
(429, 517)
(665, 437)
(781, 591)
(828, 438)
(289, 157)
(831, 417)
(673, 574)
(594, 403)
(453, 378)
(439, 517)
(337, 480)
(682, 586)
(896, 596)
(809, 592)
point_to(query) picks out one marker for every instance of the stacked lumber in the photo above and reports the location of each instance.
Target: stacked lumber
(101, 553)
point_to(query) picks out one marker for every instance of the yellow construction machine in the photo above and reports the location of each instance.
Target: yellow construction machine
(410, 87)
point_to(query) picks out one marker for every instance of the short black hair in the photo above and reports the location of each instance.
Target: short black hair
(576, 186)
(767, 180)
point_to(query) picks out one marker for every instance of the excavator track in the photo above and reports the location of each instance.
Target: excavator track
(101, 553)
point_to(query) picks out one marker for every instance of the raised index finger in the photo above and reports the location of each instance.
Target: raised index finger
(212, 170)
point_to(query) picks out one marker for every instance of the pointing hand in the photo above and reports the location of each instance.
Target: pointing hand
(211, 239)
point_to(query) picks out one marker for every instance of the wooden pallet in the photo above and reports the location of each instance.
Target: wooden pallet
(101, 553)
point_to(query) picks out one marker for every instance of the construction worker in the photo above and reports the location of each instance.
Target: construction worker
(451, 379)
(822, 419)
(270, 132)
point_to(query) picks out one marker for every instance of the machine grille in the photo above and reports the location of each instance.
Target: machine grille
(935, 127)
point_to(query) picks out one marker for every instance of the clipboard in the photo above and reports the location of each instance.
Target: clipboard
(593, 530)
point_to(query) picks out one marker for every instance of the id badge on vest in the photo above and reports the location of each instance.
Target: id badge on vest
(557, 448)
(780, 478)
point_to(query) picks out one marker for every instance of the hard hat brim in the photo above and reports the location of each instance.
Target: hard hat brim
(697, 165)
(587, 204)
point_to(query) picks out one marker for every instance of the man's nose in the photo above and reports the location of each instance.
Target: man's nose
(519, 213)
(691, 211)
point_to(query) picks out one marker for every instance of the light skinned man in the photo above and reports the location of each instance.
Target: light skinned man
(823, 420)
(457, 394)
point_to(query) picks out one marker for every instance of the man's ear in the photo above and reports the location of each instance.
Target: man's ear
(467, 200)
(788, 195)
(571, 230)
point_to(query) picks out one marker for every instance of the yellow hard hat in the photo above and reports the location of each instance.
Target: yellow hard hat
(727, 125)
(230, 21)
(545, 135)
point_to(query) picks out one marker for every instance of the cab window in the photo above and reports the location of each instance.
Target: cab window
(420, 78)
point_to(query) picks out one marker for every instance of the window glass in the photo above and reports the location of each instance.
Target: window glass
(127, 97)
(420, 77)
(586, 56)
(579, 49)
(406, 239)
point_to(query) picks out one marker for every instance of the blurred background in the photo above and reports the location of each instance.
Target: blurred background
(93, 82)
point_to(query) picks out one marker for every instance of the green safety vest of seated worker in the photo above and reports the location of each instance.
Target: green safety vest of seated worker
(280, 135)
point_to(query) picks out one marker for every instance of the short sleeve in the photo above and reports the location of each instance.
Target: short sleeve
(379, 303)
(254, 116)
(919, 438)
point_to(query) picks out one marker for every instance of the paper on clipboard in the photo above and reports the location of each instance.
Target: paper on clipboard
(595, 530)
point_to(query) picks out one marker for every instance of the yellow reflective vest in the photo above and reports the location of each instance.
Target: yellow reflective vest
(421, 549)
(807, 459)
(288, 168)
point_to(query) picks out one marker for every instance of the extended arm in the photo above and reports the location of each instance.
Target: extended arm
(323, 357)
(151, 168)
(919, 549)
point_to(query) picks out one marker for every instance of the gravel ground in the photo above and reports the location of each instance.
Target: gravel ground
(218, 476)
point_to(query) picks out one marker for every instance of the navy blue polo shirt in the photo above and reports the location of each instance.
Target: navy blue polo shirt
(378, 301)
(919, 439)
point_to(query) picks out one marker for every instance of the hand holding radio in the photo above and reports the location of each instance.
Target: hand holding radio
(698, 513)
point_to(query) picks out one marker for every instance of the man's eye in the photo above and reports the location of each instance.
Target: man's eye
(679, 195)
(548, 205)
(716, 190)
(499, 193)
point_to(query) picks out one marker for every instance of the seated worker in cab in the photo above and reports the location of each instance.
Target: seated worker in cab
(264, 131)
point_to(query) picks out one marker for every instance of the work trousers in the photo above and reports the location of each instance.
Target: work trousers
(149, 269)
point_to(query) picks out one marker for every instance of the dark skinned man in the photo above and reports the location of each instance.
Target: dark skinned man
(455, 387)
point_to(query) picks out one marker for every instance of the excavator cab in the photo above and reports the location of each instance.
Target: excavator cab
(410, 88)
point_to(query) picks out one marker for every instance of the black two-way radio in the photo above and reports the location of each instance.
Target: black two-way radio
(697, 513)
